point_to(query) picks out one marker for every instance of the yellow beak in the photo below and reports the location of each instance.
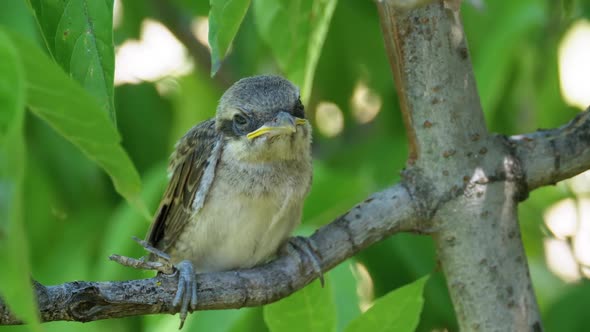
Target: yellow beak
(284, 125)
(300, 121)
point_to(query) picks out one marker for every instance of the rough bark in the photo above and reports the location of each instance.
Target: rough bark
(379, 216)
(462, 185)
(469, 181)
(552, 155)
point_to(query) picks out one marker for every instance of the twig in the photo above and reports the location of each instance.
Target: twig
(549, 156)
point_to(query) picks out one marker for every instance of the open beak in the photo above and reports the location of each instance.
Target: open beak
(283, 123)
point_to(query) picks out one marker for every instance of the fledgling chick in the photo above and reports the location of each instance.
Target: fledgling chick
(237, 183)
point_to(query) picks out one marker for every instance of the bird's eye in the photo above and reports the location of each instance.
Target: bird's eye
(241, 124)
(240, 120)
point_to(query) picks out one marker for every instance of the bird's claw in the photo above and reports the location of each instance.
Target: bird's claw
(186, 294)
(307, 247)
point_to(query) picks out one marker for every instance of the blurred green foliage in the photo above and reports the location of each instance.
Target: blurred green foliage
(295, 31)
(225, 17)
(74, 218)
(12, 162)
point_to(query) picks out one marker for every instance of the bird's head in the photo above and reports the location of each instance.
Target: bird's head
(262, 119)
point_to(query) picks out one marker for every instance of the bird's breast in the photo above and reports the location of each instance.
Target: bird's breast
(248, 213)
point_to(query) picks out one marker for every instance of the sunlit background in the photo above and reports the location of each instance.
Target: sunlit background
(568, 247)
(574, 64)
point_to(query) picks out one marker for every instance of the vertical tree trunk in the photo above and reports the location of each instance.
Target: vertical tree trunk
(470, 180)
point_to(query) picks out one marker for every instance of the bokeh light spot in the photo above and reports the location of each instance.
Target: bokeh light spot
(200, 29)
(364, 286)
(329, 119)
(568, 252)
(365, 102)
(560, 260)
(560, 218)
(156, 55)
(574, 65)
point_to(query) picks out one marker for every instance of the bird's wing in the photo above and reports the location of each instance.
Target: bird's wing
(192, 168)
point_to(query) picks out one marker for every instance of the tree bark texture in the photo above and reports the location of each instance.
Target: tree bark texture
(469, 180)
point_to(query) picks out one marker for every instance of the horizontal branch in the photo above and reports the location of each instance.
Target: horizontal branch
(565, 151)
(376, 218)
(549, 156)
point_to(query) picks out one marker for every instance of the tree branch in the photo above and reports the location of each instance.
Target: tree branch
(378, 217)
(381, 215)
(467, 181)
(549, 156)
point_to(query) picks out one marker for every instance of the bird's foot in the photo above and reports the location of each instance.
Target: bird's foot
(186, 293)
(306, 247)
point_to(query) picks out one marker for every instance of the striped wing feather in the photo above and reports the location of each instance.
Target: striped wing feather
(194, 152)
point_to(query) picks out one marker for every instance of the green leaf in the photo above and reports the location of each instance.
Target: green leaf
(495, 58)
(311, 309)
(295, 31)
(398, 311)
(15, 283)
(252, 319)
(211, 320)
(17, 15)
(75, 115)
(225, 17)
(346, 295)
(79, 35)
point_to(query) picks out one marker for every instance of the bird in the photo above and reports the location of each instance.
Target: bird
(237, 184)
